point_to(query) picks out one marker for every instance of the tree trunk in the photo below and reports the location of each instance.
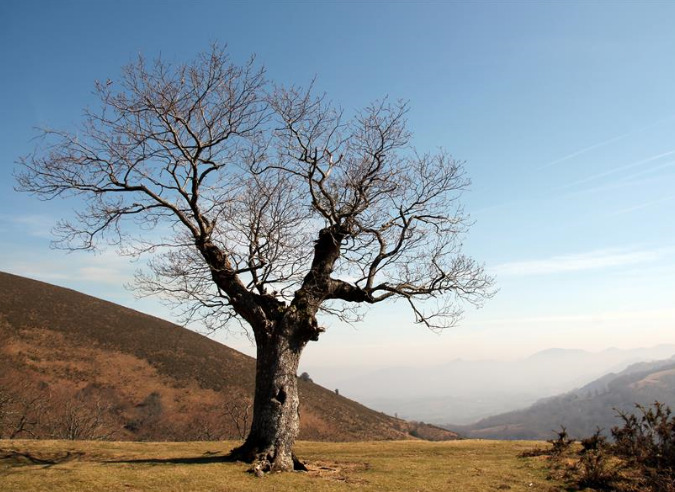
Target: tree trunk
(276, 420)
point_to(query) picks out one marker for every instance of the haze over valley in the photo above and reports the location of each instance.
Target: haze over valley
(464, 391)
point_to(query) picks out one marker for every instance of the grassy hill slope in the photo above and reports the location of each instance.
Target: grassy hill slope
(134, 376)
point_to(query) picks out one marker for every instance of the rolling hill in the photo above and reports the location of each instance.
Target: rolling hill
(582, 410)
(81, 367)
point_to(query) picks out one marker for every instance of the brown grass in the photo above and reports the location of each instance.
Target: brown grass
(466, 466)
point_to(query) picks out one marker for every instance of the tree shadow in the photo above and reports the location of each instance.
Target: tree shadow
(18, 458)
(205, 459)
(22, 458)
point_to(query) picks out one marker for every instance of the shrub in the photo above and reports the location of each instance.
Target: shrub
(647, 442)
(594, 468)
(640, 458)
(562, 443)
(596, 442)
(647, 439)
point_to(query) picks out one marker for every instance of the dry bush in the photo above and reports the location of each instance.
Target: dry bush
(646, 441)
(640, 458)
(78, 417)
(596, 467)
(561, 445)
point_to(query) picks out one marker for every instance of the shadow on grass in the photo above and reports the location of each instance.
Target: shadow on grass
(18, 458)
(192, 460)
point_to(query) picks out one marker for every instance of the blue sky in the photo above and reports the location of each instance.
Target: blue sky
(563, 111)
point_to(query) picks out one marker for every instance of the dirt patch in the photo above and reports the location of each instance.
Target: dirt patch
(337, 471)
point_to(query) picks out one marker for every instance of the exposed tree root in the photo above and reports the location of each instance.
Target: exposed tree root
(265, 460)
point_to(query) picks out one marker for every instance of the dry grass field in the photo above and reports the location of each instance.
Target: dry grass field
(458, 466)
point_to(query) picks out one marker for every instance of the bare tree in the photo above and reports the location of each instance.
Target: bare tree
(239, 412)
(205, 427)
(78, 417)
(22, 407)
(265, 206)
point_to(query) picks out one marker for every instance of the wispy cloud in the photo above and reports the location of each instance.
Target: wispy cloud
(107, 268)
(29, 224)
(621, 168)
(584, 150)
(640, 206)
(603, 143)
(615, 185)
(651, 170)
(639, 179)
(592, 260)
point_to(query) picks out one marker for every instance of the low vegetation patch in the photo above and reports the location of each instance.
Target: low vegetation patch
(639, 458)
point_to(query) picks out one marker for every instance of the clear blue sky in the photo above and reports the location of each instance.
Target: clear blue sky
(563, 111)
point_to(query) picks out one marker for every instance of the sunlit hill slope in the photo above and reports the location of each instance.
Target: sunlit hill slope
(66, 356)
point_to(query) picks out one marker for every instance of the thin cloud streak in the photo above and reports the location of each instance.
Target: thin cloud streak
(602, 144)
(583, 151)
(593, 260)
(616, 170)
(643, 205)
(630, 177)
(613, 185)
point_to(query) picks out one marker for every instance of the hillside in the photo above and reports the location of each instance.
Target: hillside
(582, 410)
(78, 366)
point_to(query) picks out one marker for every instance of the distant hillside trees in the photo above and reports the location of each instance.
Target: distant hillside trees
(38, 410)
(265, 205)
(21, 410)
(79, 418)
(32, 410)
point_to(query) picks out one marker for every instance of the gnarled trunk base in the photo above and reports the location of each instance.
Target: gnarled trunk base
(265, 459)
(276, 420)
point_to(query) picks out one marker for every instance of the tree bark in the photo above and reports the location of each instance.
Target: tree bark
(276, 419)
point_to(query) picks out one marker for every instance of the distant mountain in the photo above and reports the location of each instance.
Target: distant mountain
(69, 359)
(582, 410)
(464, 391)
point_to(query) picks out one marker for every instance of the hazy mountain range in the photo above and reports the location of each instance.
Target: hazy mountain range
(464, 391)
(583, 410)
